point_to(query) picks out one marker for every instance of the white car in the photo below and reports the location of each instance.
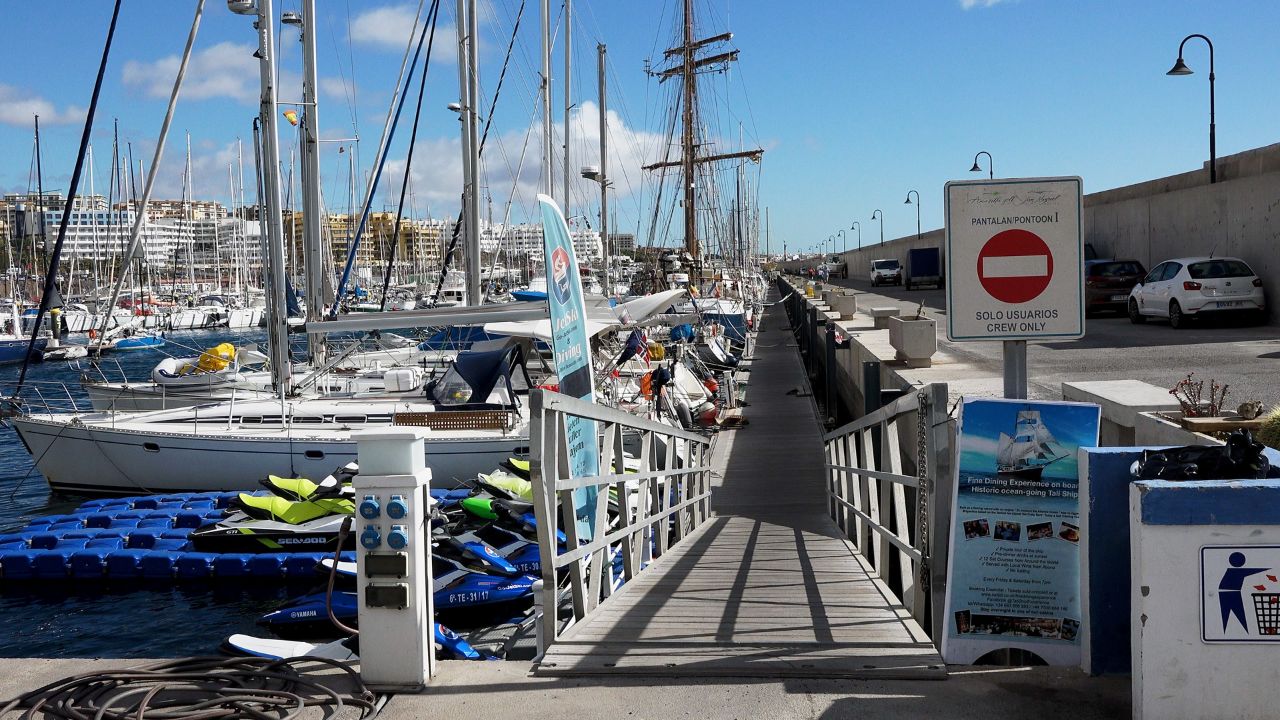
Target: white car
(1187, 288)
(886, 271)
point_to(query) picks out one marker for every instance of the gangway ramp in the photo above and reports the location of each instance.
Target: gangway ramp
(769, 587)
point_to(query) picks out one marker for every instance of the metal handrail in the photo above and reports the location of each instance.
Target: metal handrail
(671, 489)
(887, 512)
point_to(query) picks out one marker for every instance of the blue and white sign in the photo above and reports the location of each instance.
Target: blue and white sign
(1240, 593)
(572, 348)
(1013, 576)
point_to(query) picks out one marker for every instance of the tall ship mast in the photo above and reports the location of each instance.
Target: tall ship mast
(689, 60)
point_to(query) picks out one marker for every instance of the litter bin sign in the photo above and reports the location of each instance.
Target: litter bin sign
(1240, 593)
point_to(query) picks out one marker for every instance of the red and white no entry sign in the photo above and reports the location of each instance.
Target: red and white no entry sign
(1015, 266)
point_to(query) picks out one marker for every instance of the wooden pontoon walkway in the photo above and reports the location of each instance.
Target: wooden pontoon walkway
(768, 587)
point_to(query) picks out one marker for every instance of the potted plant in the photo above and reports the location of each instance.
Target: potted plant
(914, 338)
(1208, 415)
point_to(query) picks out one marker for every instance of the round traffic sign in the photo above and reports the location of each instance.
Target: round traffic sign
(1015, 266)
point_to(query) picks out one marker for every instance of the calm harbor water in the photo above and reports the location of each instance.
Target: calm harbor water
(96, 619)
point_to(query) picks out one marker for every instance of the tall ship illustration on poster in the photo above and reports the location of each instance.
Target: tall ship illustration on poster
(1030, 450)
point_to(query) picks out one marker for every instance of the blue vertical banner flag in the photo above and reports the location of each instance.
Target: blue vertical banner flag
(572, 348)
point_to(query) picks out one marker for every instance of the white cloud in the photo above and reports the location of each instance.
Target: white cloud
(436, 178)
(224, 70)
(19, 107)
(971, 4)
(392, 28)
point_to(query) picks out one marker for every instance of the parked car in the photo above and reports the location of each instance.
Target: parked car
(1107, 284)
(886, 271)
(1187, 288)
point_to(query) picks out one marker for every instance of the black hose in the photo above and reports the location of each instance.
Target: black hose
(343, 532)
(200, 687)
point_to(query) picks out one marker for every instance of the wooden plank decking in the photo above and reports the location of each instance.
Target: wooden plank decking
(768, 588)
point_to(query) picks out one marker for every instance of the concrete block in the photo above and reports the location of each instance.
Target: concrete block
(1122, 401)
(846, 304)
(914, 340)
(881, 315)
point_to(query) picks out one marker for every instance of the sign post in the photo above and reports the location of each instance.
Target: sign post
(1015, 259)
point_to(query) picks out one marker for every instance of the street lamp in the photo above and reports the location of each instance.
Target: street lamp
(844, 241)
(991, 170)
(857, 226)
(917, 204)
(1180, 68)
(873, 217)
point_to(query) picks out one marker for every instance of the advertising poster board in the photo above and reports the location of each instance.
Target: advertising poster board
(1013, 575)
(572, 348)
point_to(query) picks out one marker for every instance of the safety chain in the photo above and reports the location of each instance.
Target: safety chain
(923, 405)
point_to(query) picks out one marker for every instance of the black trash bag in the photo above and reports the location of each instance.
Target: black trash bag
(1241, 458)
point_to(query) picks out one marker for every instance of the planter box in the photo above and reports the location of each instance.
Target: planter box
(846, 305)
(1159, 430)
(915, 340)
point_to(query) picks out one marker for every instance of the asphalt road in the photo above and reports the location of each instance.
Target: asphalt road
(1245, 357)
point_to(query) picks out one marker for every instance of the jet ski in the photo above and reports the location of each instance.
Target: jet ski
(464, 596)
(271, 524)
(449, 646)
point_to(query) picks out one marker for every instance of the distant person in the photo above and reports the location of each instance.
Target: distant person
(1229, 596)
(822, 273)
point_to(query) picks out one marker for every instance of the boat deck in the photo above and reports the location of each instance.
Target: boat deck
(768, 587)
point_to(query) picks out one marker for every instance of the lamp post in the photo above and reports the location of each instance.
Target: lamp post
(917, 204)
(873, 217)
(991, 169)
(1180, 68)
(844, 241)
(857, 226)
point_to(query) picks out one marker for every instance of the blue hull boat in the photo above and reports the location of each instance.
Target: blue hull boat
(15, 351)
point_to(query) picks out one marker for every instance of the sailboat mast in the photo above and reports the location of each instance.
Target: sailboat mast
(189, 190)
(282, 374)
(688, 144)
(545, 92)
(568, 100)
(313, 251)
(468, 71)
(604, 167)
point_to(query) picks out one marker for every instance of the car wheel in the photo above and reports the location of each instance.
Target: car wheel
(1135, 316)
(1177, 320)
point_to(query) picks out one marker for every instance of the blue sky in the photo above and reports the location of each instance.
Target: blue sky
(854, 102)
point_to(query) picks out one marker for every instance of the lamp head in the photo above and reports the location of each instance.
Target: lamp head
(1179, 68)
(975, 167)
(908, 200)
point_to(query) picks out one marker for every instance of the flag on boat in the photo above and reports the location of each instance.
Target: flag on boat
(637, 346)
(292, 117)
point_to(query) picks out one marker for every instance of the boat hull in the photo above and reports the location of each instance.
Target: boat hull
(15, 351)
(102, 460)
(1026, 473)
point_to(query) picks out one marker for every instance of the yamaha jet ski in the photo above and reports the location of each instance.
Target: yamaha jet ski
(465, 597)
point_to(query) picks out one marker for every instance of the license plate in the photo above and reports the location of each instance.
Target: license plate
(1117, 298)
(1229, 303)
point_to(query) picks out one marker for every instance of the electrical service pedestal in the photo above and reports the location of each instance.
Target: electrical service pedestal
(393, 559)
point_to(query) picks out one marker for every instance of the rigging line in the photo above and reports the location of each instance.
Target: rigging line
(51, 275)
(434, 12)
(488, 122)
(384, 151)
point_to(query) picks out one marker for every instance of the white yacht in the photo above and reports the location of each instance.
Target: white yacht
(475, 414)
